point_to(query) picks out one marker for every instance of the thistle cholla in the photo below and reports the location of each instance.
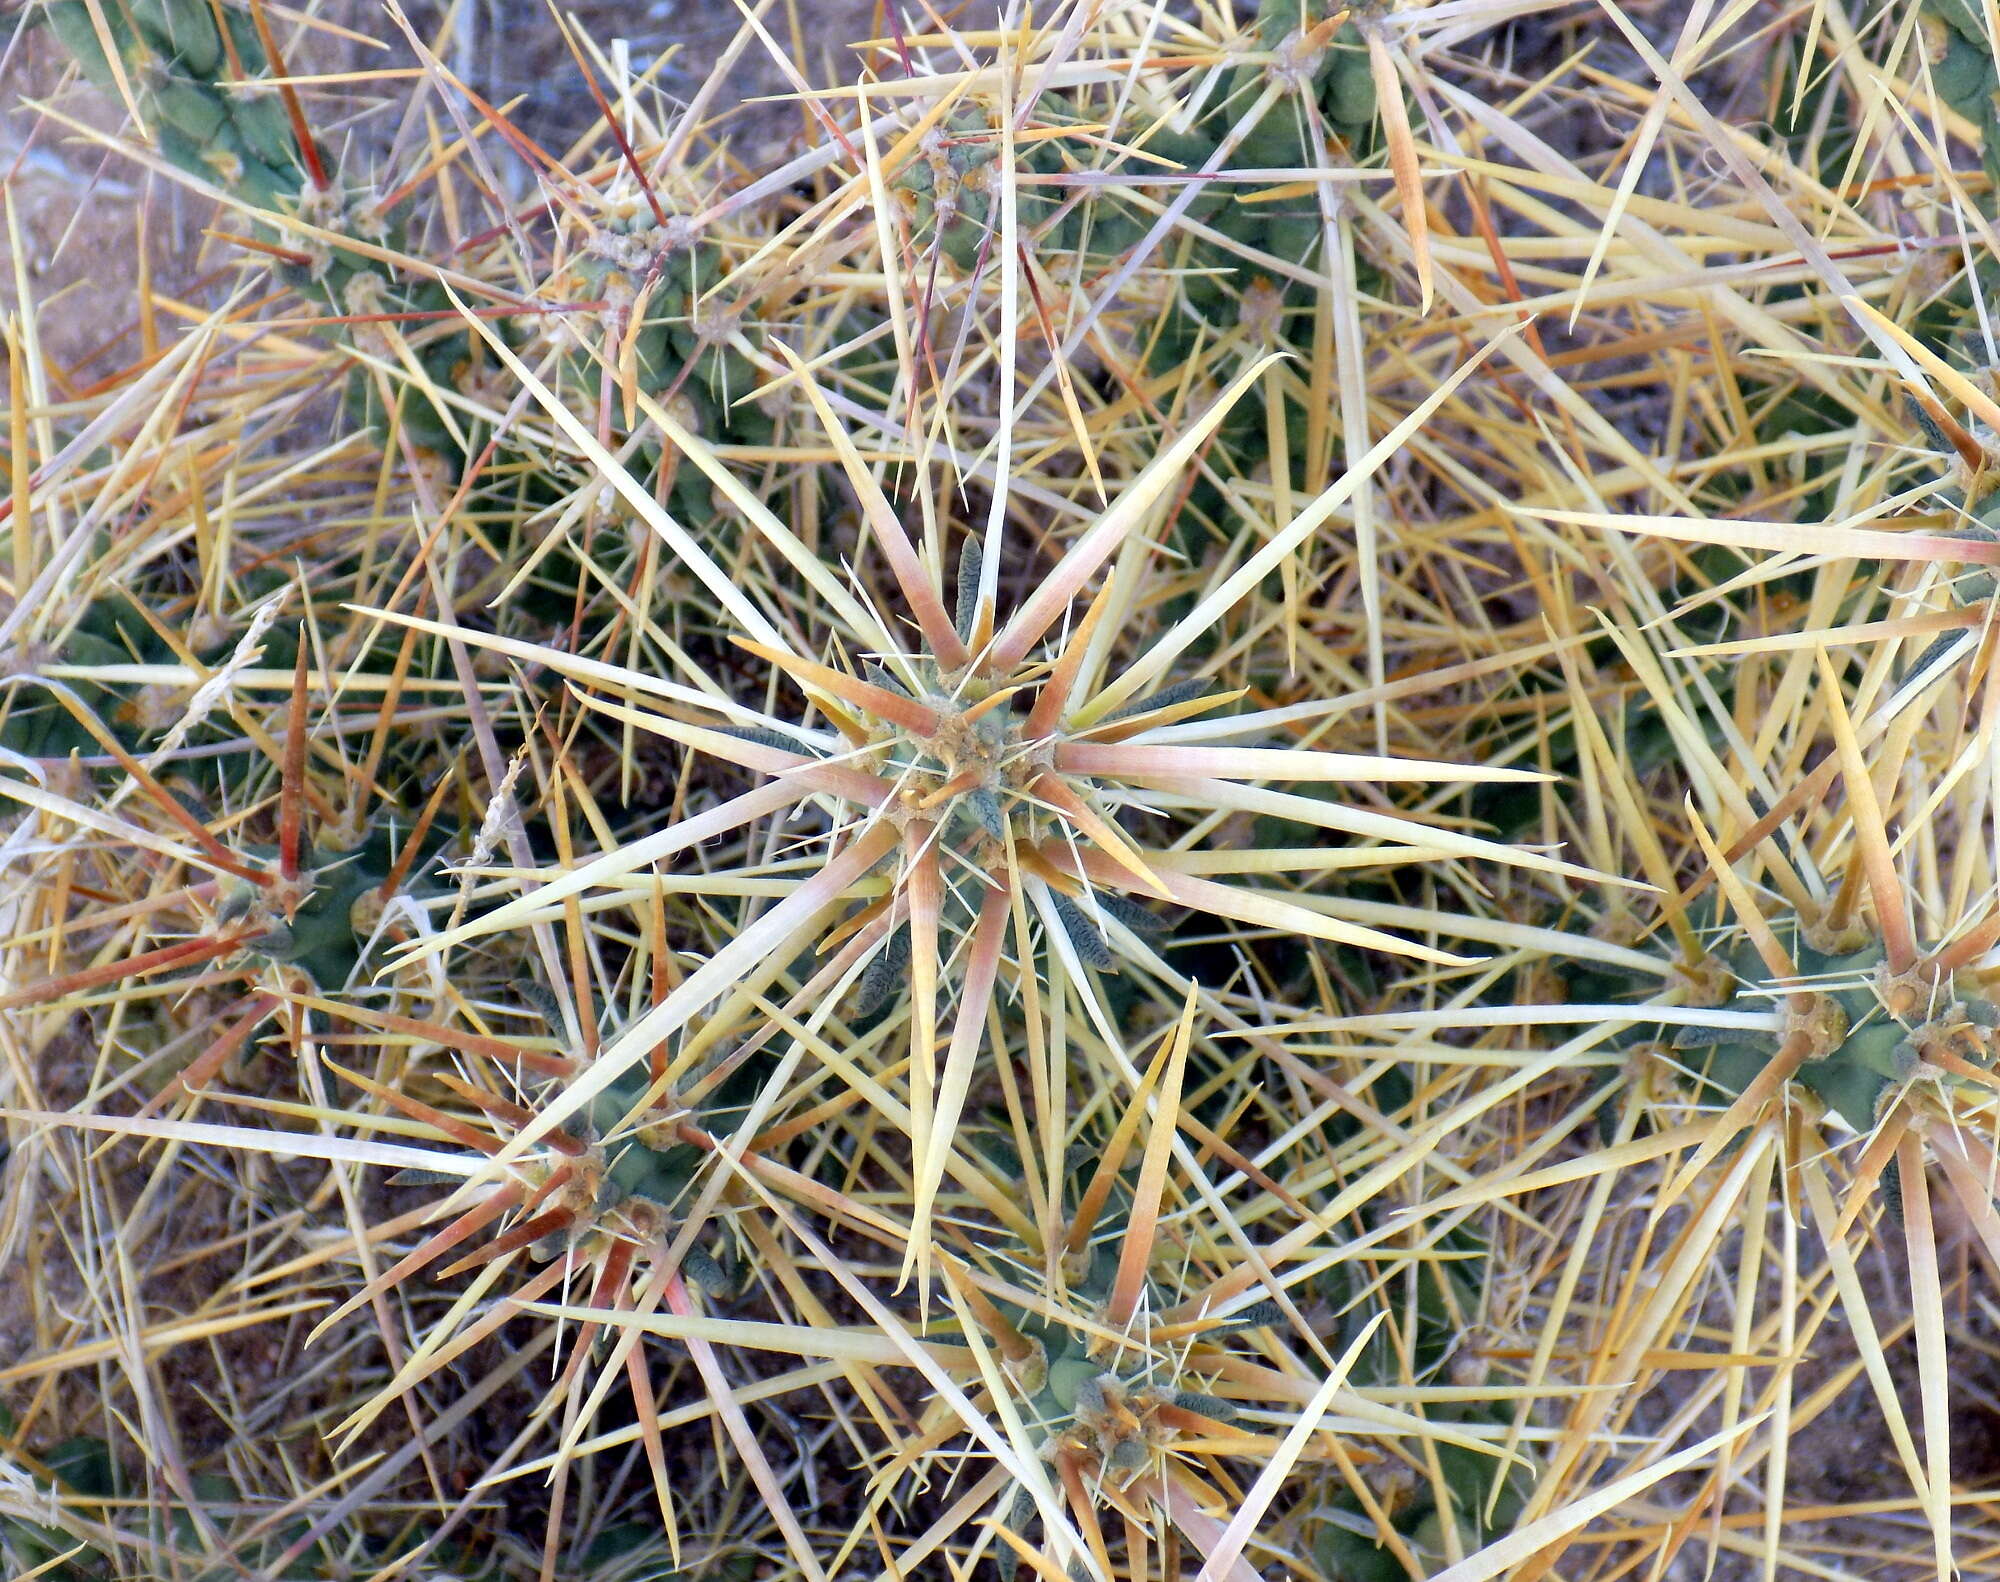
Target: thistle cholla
(971, 789)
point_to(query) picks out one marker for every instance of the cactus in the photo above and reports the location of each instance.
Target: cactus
(1868, 1031)
(185, 72)
(1963, 72)
(1106, 1414)
(913, 897)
